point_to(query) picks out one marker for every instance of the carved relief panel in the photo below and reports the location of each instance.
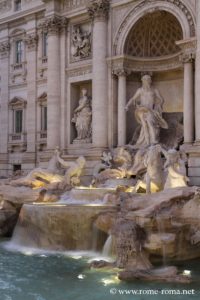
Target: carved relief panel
(81, 42)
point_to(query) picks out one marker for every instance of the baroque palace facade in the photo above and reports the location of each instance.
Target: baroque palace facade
(68, 68)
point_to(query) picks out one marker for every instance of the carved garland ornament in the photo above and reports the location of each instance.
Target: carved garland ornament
(4, 47)
(98, 9)
(31, 41)
(5, 5)
(177, 3)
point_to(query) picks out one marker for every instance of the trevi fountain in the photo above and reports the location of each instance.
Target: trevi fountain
(134, 226)
(99, 149)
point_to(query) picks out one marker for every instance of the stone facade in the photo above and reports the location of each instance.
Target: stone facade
(51, 50)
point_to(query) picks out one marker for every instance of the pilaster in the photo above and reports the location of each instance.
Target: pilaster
(98, 11)
(4, 61)
(31, 41)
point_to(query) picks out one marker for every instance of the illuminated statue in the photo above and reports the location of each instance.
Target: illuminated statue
(148, 113)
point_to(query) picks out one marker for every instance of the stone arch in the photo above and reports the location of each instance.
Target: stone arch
(175, 7)
(154, 35)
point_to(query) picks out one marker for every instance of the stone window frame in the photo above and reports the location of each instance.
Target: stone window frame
(42, 103)
(19, 51)
(18, 35)
(17, 5)
(16, 104)
(44, 45)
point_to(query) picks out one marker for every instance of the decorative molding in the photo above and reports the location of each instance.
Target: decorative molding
(98, 9)
(73, 4)
(31, 41)
(4, 49)
(131, 64)
(148, 3)
(80, 71)
(53, 24)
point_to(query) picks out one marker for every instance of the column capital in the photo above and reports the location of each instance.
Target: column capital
(121, 72)
(31, 41)
(188, 49)
(53, 24)
(4, 49)
(187, 57)
(98, 9)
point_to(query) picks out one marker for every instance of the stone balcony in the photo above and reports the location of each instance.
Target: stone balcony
(17, 141)
(18, 70)
(41, 140)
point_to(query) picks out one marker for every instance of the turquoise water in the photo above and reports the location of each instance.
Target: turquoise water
(60, 277)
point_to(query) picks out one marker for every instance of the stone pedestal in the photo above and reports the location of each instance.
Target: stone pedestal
(98, 11)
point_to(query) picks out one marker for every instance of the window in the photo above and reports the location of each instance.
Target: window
(18, 5)
(43, 118)
(18, 121)
(19, 51)
(45, 44)
(17, 168)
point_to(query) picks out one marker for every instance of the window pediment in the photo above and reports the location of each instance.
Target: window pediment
(17, 102)
(42, 99)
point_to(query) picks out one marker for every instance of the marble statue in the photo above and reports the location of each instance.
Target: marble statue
(81, 43)
(123, 158)
(148, 113)
(83, 118)
(103, 165)
(52, 176)
(154, 177)
(176, 169)
(73, 172)
(41, 176)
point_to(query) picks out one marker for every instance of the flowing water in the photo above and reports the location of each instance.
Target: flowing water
(43, 276)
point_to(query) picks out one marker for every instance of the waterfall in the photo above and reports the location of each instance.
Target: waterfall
(107, 248)
(161, 230)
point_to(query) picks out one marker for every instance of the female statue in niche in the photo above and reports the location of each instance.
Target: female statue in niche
(148, 113)
(83, 118)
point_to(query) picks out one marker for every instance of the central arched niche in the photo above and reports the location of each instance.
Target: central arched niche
(153, 37)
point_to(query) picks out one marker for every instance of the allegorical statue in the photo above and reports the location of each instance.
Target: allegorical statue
(148, 113)
(83, 118)
(176, 169)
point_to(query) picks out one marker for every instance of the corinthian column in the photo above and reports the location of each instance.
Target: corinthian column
(121, 73)
(98, 11)
(31, 56)
(4, 62)
(188, 99)
(187, 57)
(53, 26)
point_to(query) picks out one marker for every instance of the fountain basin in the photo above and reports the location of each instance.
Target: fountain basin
(90, 194)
